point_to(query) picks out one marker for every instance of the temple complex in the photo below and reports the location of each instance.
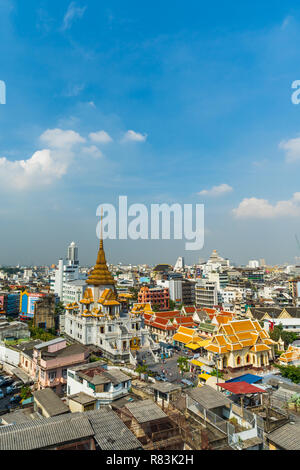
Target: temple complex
(99, 319)
(241, 344)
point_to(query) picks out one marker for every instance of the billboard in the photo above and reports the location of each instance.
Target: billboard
(27, 301)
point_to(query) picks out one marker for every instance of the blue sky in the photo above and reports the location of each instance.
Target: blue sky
(206, 90)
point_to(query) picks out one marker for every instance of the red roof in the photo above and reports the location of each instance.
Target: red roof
(241, 388)
(209, 310)
(167, 314)
(190, 309)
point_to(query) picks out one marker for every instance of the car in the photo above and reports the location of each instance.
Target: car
(7, 382)
(15, 399)
(17, 383)
(157, 377)
(164, 379)
(9, 390)
(1, 394)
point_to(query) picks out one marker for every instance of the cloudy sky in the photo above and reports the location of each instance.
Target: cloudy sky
(164, 102)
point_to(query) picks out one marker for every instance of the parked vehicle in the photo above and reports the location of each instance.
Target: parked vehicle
(18, 383)
(1, 394)
(15, 399)
(7, 382)
(9, 390)
(163, 378)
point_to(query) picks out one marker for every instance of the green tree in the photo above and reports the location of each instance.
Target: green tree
(94, 358)
(183, 364)
(290, 372)
(288, 337)
(59, 308)
(25, 392)
(39, 333)
(134, 293)
(216, 373)
(141, 369)
(155, 308)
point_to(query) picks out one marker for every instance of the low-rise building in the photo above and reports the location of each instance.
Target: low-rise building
(155, 296)
(97, 381)
(91, 430)
(44, 312)
(47, 363)
(241, 344)
(13, 330)
(48, 404)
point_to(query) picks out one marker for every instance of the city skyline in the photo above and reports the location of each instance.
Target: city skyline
(162, 103)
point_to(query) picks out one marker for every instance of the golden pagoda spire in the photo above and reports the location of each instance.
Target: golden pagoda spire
(100, 274)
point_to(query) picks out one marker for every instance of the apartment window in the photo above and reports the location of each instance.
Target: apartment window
(52, 376)
(42, 374)
(64, 373)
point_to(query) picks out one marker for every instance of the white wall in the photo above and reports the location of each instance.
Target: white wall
(9, 356)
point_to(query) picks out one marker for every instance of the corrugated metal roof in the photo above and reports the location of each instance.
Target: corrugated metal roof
(241, 388)
(145, 411)
(49, 343)
(287, 436)
(249, 378)
(110, 431)
(45, 432)
(51, 403)
(208, 397)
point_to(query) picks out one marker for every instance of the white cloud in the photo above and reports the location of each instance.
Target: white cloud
(101, 137)
(73, 12)
(93, 151)
(44, 166)
(262, 209)
(131, 136)
(58, 138)
(292, 149)
(216, 190)
(41, 169)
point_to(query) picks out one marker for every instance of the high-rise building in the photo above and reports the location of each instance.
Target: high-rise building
(66, 271)
(253, 263)
(73, 254)
(179, 265)
(206, 294)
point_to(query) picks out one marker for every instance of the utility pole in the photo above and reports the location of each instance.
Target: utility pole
(217, 357)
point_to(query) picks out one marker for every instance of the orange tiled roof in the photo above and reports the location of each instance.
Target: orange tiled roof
(260, 347)
(239, 334)
(291, 354)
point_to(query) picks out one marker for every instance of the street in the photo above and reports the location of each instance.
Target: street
(171, 370)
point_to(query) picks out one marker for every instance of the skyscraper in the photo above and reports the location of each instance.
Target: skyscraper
(72, 256)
